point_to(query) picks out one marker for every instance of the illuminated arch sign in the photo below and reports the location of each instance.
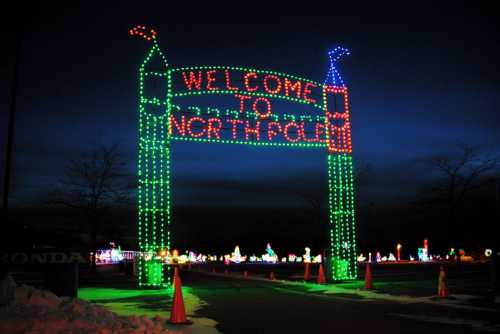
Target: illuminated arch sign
(316, 116)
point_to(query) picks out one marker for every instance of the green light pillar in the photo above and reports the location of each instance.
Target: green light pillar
(342, 219)
(153, 195)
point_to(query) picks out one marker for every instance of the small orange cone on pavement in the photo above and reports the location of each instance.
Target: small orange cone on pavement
(368, 277)
(271, 276)
(442, 289)
(321, 274)
(225, 272)
(245, 273)
(307, 273)
(213, 270)
(178, 312)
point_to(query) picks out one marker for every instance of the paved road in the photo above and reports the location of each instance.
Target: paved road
(244, 306)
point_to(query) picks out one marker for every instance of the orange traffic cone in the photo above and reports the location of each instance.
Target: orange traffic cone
(178, 312)
(213, 270)
(321, 274)
(225, 272)
(368, 277)
(307, 273)
(271, 276)
(442, 289)
(245, 273)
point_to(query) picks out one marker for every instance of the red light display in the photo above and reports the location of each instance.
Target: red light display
(216, 128)
(141, 31)
(244, 81)
(339, 136)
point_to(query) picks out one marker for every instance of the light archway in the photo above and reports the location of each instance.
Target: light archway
(250, 121)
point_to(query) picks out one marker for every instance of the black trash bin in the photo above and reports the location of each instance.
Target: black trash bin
(62, 279)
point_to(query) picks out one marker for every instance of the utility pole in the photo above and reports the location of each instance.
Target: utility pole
(10, 130)
(495, 249)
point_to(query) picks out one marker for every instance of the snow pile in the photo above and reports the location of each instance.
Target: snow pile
(38, 311)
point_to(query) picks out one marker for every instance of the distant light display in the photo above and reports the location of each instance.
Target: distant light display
(252, 119)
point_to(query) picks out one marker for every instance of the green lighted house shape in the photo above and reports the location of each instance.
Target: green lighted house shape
(157, 95)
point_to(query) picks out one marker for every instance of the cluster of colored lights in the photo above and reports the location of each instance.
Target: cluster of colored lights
(268, 257)
(423, 255)
(104, 256)
(252, 90)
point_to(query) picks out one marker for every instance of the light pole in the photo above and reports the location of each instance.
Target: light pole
(10, 130)
(494, 247)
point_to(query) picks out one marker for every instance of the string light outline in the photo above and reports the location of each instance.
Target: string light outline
(152, 174)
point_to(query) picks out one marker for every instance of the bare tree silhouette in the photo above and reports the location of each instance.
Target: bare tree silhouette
(317, 201)
(459, 174)
(93, 184)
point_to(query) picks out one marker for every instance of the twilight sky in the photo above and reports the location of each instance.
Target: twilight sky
(421, 78)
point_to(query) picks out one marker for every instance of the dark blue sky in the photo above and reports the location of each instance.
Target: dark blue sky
(422, 77)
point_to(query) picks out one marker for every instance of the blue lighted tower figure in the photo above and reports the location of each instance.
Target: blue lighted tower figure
(342, 259)
(333, 77)
(153, 195)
